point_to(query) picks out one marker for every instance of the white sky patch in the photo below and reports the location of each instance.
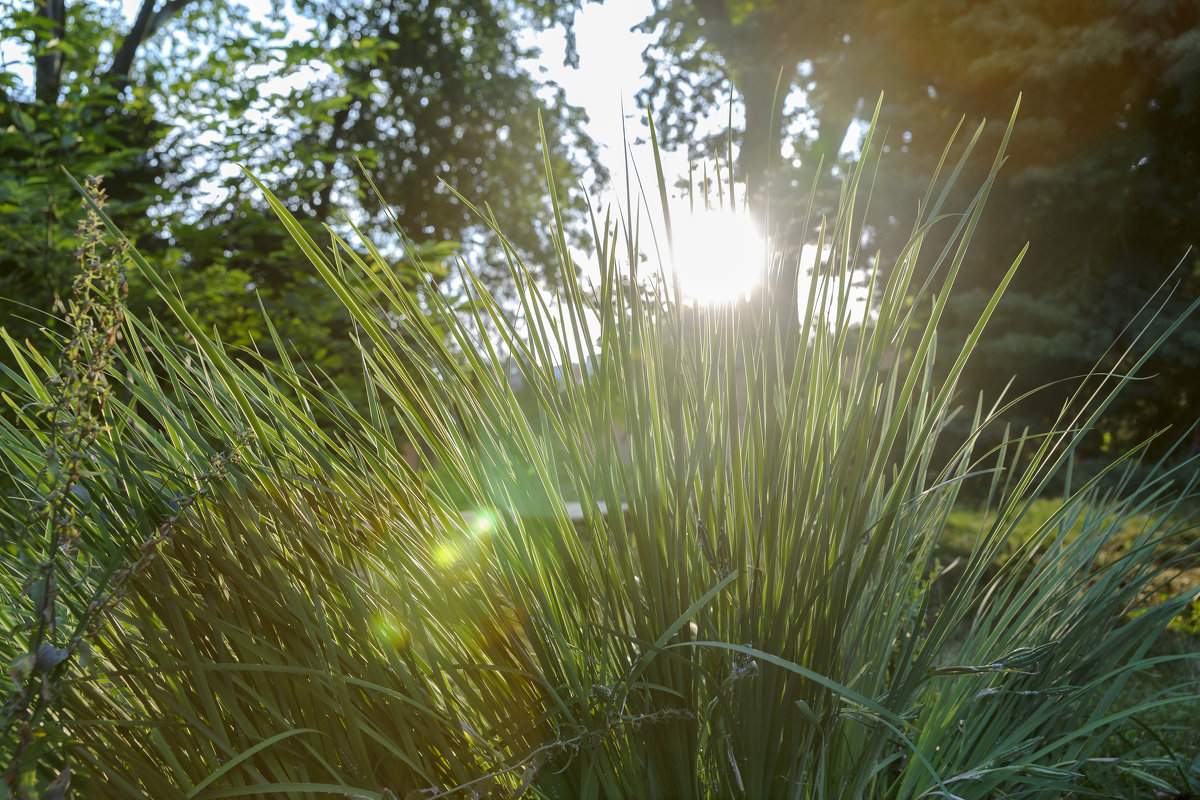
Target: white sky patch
(14, 58)
(609, 74)
(838, 296)
(274, 82)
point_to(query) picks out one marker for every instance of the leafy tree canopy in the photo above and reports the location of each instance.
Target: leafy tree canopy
(424, 96)
(403, 93)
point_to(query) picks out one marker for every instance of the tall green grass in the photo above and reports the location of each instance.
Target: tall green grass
(750, 606)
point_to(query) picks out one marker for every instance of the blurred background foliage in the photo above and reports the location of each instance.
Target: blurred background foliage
(1102, 178)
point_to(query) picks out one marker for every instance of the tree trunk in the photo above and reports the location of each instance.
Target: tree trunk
(764, 95)
(48, 67)
(148, 21)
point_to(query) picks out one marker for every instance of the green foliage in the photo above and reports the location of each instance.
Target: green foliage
(68, 556)
(38, 213)
(1157, 752)
(409, 94)
(422, 96)
(746, 608)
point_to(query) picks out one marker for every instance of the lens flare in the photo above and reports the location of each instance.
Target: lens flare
(481, 523)
(446, 555)
(386, 627)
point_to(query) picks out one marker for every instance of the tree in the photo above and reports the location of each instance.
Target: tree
(1100, 178)
(90, 110)
(415, 100)
(402, 94)
(759, 51)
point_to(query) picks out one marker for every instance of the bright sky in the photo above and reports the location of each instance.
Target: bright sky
(606, 83)
(610, 69)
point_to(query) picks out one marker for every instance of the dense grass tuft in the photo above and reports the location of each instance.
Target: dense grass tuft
(751, 605)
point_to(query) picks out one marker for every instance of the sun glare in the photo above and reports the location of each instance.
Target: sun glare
(718, 256)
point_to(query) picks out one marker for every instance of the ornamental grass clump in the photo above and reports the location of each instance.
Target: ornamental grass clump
(749, 606)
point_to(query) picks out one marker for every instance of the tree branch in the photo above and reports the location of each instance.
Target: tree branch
(123, 61)
(147, 23)
(165, 13)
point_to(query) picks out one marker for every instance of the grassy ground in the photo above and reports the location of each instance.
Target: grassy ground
(1170, 724)
(965, 524)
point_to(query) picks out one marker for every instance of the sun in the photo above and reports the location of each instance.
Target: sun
(718, 256)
